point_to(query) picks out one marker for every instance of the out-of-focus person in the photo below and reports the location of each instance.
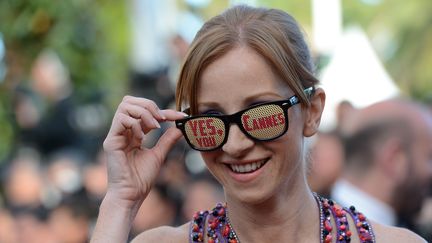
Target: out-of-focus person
(64, 173)
(388, 161)
(327, 152)
(157, 210)
(326, 161)
(203, 192)
(31, 226)
(344, 111)
(69, 222)
(94, 179)
(23, 183)
(424, 220)
(44, 111)
(8, 231)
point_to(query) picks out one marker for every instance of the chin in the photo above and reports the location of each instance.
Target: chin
(252, 196)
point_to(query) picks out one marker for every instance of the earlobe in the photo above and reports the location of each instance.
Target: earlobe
(393, 160)
(314, 113)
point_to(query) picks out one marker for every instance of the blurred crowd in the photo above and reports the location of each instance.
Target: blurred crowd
(55, 178)
(379, 159)
(52, 183)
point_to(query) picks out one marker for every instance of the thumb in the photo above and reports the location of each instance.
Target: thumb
(166, 142)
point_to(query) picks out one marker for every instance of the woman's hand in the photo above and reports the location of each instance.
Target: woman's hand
(132, 169)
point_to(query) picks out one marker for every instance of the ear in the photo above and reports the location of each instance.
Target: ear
(314, 113)
(393, 160)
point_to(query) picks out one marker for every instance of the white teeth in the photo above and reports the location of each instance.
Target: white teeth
(247, 168)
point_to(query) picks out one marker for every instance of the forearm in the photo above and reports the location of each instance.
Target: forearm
(114, 221)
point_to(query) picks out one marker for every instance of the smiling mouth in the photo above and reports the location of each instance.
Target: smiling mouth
(247, 168)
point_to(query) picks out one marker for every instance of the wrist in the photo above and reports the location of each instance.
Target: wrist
(112, 201)
(115, 219)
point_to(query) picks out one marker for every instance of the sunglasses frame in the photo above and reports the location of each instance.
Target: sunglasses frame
(236, 119)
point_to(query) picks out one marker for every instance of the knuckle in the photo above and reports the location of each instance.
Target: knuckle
(136, 122)
(152, 105)
(126, 98)
(145, 113)
(120, 116)
(106, 144)
(121, 106)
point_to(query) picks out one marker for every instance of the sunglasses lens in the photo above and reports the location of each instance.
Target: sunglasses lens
(264, 122)
(205, 133)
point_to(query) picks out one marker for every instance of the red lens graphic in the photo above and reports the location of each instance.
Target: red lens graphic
(264, 122)
(205, 133)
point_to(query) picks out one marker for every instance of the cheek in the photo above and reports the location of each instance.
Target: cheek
(294, 137)
(291, 145)
(295, 120)
(209, 158)
(288, 148)
(422, 164)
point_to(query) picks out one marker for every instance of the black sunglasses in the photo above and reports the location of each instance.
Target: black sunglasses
(262, 122)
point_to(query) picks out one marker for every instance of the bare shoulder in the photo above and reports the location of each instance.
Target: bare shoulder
(164, 234)
(384, 233)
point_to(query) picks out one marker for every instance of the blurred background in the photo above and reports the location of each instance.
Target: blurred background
(65, 66)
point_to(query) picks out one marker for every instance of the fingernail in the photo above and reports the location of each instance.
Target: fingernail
(182, 113)
(156, 123)
(162, 115)
(143, 142)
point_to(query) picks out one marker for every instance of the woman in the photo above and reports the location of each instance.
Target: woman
(248, 84)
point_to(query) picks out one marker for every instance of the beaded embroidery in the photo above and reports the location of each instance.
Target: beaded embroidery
(196, 228)
(364, 229)
(343, 234)
(219, 229)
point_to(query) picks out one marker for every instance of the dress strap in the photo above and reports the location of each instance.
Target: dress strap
(364, 228)
(214, 225)
(197, 226)
(343, 234)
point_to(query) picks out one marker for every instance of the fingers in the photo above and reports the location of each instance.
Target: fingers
(145, 103)
(135, 107)
(127, 122)
(123, 128)
(173, 115)
(134, 118)
(146, 118)
(166, 142)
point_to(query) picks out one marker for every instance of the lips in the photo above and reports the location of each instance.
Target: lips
(244, 168)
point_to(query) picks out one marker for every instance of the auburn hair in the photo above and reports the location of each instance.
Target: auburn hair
(272, 33)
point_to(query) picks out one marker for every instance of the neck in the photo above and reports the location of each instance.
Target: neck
(377, 185)
(262, 222)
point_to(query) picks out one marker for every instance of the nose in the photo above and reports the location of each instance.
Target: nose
(237, 143)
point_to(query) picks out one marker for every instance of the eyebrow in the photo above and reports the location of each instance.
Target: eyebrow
(269, 95)
(249, 99)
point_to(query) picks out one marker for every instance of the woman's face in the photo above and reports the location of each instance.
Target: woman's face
(235, 81)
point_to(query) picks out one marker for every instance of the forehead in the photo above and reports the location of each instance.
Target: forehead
(239, 74)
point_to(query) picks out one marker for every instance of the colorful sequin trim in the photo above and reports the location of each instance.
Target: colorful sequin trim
(219, 229)
(197, 228)
(363, 226)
